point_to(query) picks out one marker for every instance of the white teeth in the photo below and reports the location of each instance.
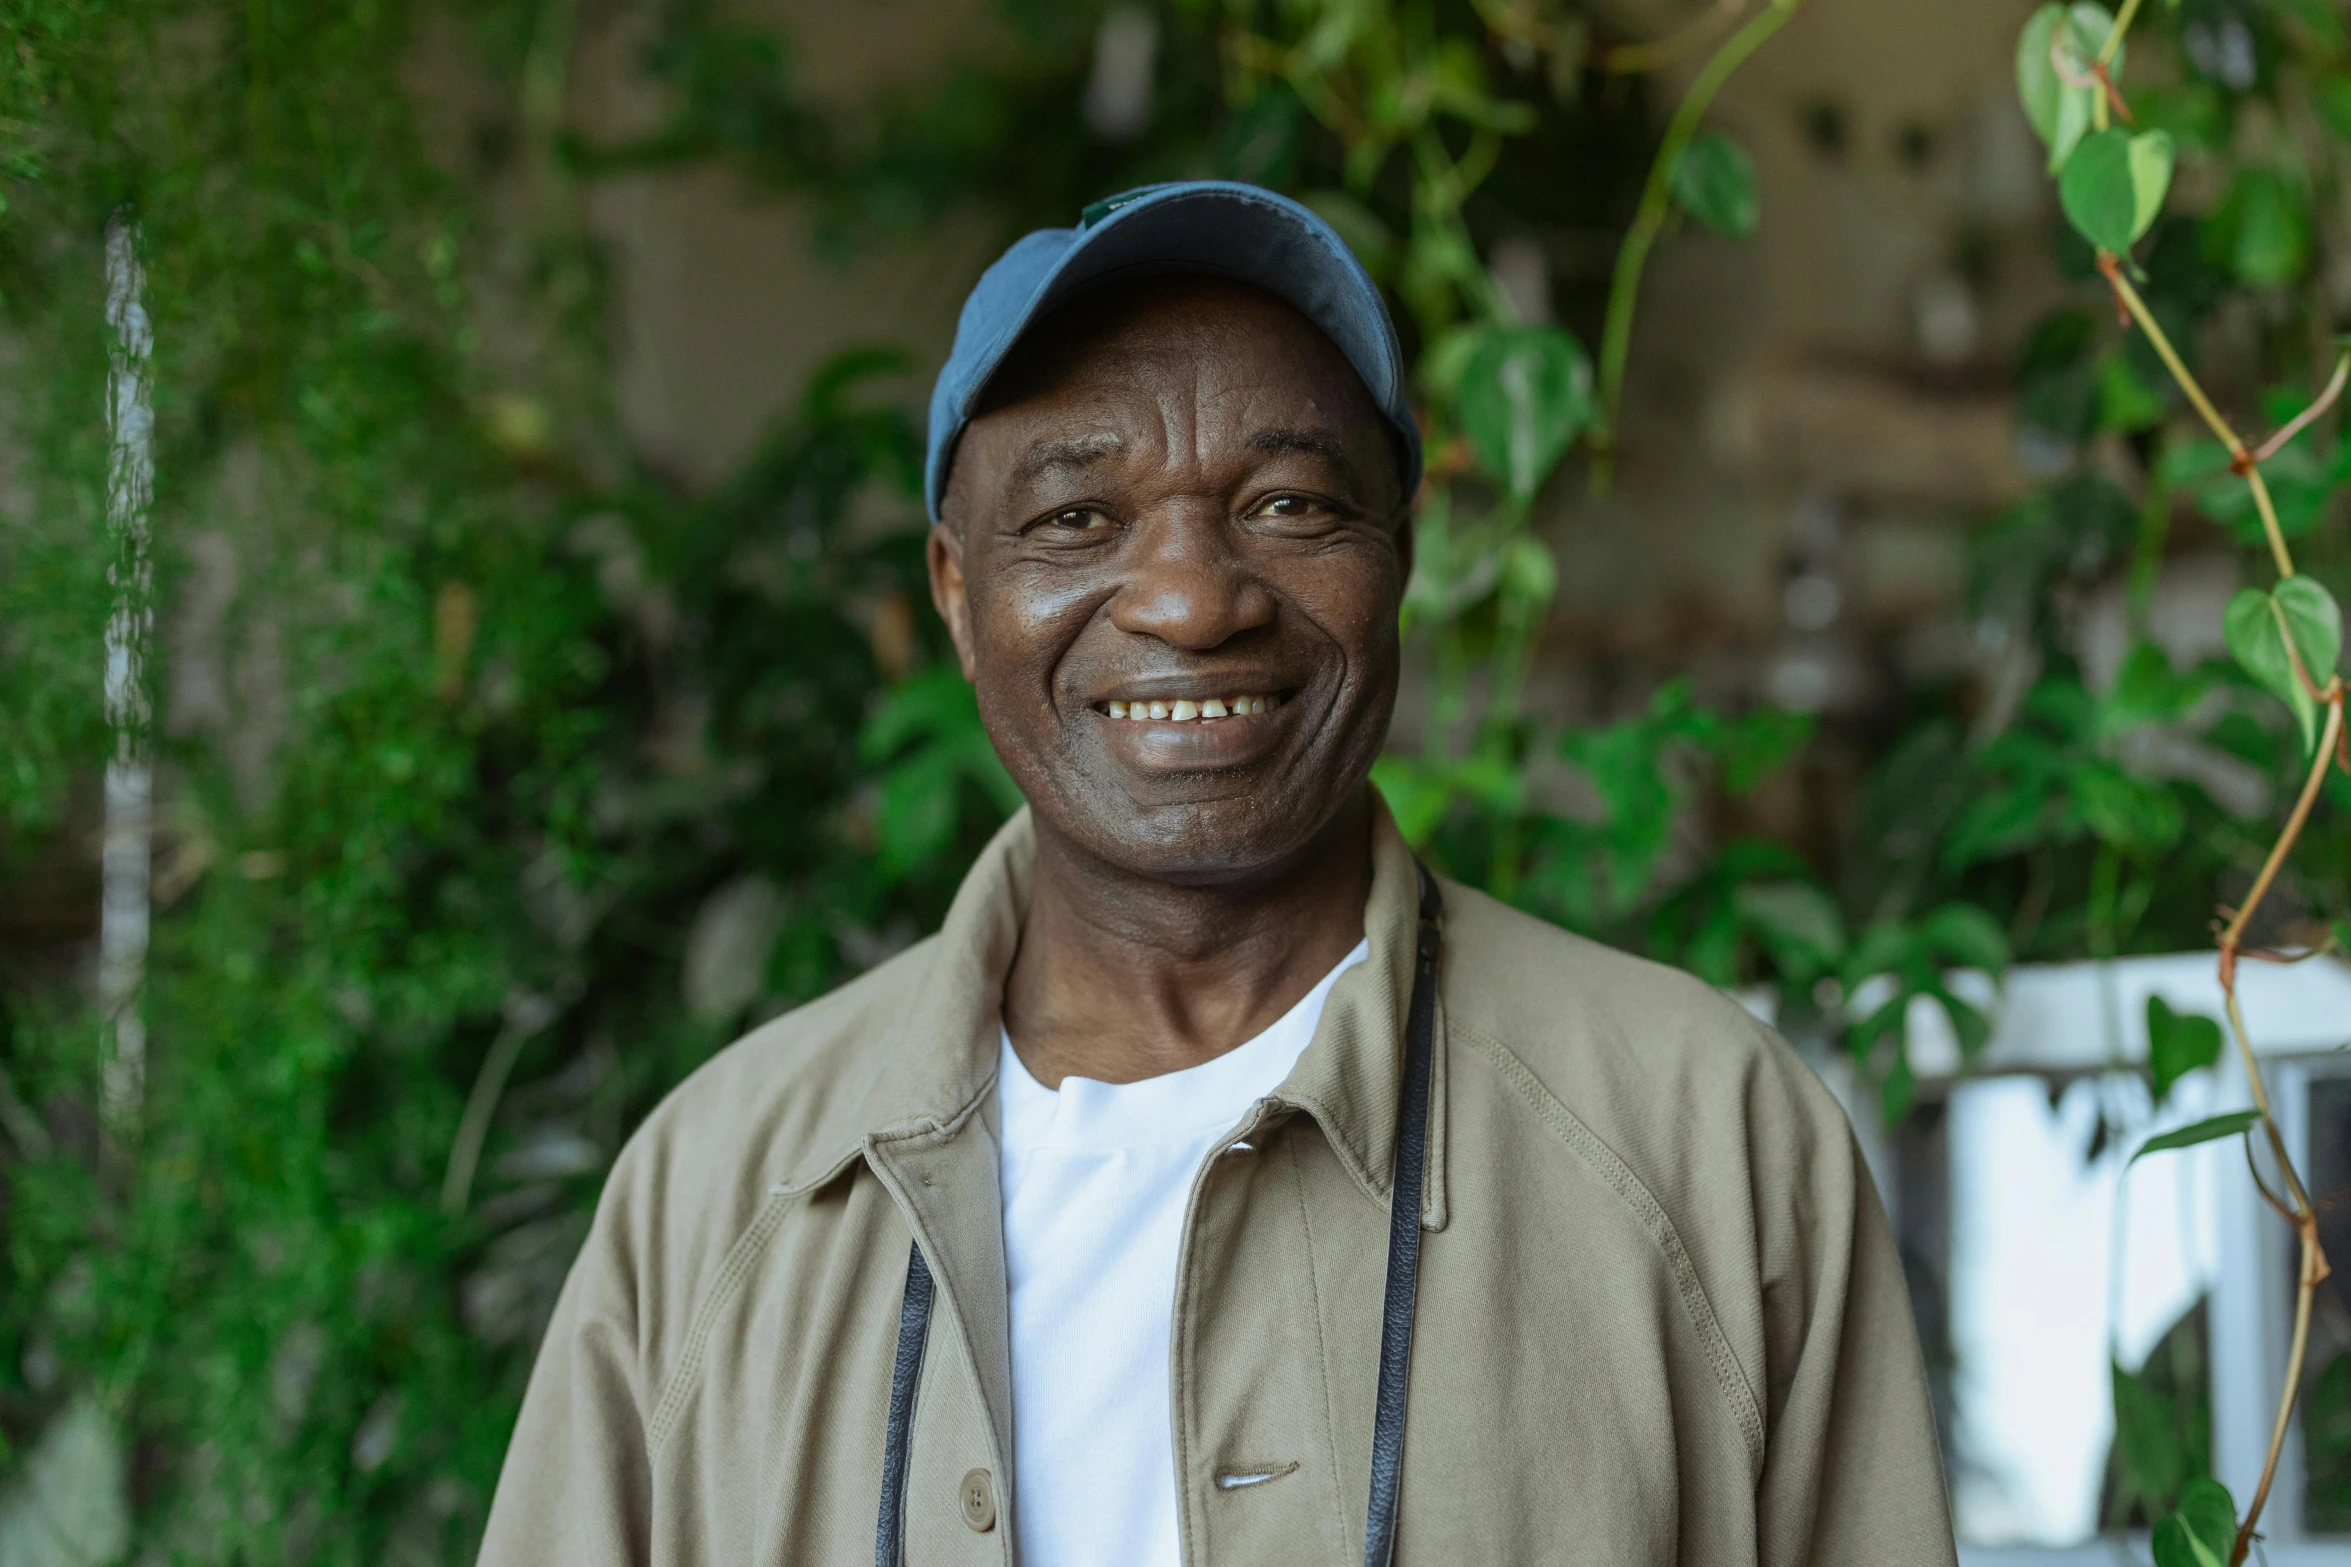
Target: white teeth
(1185, 710)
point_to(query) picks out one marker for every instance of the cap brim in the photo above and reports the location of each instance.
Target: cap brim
(1220, 229)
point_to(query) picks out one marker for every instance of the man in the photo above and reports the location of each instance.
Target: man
(1215, 1187)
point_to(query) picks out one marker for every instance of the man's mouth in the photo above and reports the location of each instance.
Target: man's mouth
(1186, 710)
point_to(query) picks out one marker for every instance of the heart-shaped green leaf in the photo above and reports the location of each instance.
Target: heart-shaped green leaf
(2258, 626)
(2205, 1131)
(2178, 1043)
(2211, 1516)
(1526, 393)
(2113, 186)
(2061, 112)
(1715, 183)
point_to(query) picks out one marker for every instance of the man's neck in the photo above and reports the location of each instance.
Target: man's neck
(1120, 977)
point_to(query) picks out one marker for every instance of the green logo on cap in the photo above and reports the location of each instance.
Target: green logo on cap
(1096, 211)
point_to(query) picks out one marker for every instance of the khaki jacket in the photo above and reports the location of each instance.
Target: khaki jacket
(1660, 1317)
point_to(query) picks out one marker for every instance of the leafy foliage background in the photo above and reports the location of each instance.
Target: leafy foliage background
(569, 773)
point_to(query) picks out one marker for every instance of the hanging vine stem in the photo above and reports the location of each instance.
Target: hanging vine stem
(1616, 336)
(2303, 1214)
(2296, 1206)
(2241, 461)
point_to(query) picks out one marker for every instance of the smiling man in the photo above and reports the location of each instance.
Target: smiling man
(1217, 1186)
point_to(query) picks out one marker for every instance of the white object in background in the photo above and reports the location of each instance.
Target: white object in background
(2062, 1017)
(2062, 1020)
(130, 773)
(1117, 104)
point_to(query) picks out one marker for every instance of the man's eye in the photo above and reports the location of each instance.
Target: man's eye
(1291, 508)
(1078, 519)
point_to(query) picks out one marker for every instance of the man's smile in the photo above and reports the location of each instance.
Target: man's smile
(1185, 710)
(1214, 728)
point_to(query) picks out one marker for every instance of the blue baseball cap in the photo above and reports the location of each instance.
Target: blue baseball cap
(1217, 227)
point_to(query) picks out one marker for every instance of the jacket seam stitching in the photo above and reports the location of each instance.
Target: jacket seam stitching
(1322, 1342)
(677, 1388)
(1729, 1376)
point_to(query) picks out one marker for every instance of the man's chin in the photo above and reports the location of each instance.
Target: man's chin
(1222, 836)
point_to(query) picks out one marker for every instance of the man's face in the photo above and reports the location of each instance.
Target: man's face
(1181, 500)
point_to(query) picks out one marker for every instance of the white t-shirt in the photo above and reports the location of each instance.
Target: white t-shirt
(1096, 1179)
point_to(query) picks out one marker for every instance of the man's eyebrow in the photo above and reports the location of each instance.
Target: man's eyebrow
(1314, 443)
(1074, 452)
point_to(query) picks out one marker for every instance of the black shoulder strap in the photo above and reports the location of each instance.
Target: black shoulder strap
(1404, 1206)
(914, 1328)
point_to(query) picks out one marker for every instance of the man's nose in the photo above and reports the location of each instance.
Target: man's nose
(1188, 585)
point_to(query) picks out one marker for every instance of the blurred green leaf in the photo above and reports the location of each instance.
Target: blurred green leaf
(1525, 395)
(2135, 815)
(2145, 691)
(1529, 576)
(2193, 112)
(1759, 743)
(1962, 934)
(1420, 792)
(2205, 1131)
(2260, 233)
(1797, 922)
(928, 731)
(2000, 820)
(1715, 183)
(2177, 1043)
(2126, 403)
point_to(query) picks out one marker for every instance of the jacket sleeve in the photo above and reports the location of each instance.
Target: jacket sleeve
(1851, 1475)
(576, 1490)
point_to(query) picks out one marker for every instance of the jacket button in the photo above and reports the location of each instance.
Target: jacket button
(979, 1501)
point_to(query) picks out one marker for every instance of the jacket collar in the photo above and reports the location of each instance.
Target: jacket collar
(935, 1065)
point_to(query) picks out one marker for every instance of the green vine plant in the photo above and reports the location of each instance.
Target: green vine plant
(2112, 183)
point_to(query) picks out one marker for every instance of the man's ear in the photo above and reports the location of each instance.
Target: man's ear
(1404, 550)
(944, 552)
